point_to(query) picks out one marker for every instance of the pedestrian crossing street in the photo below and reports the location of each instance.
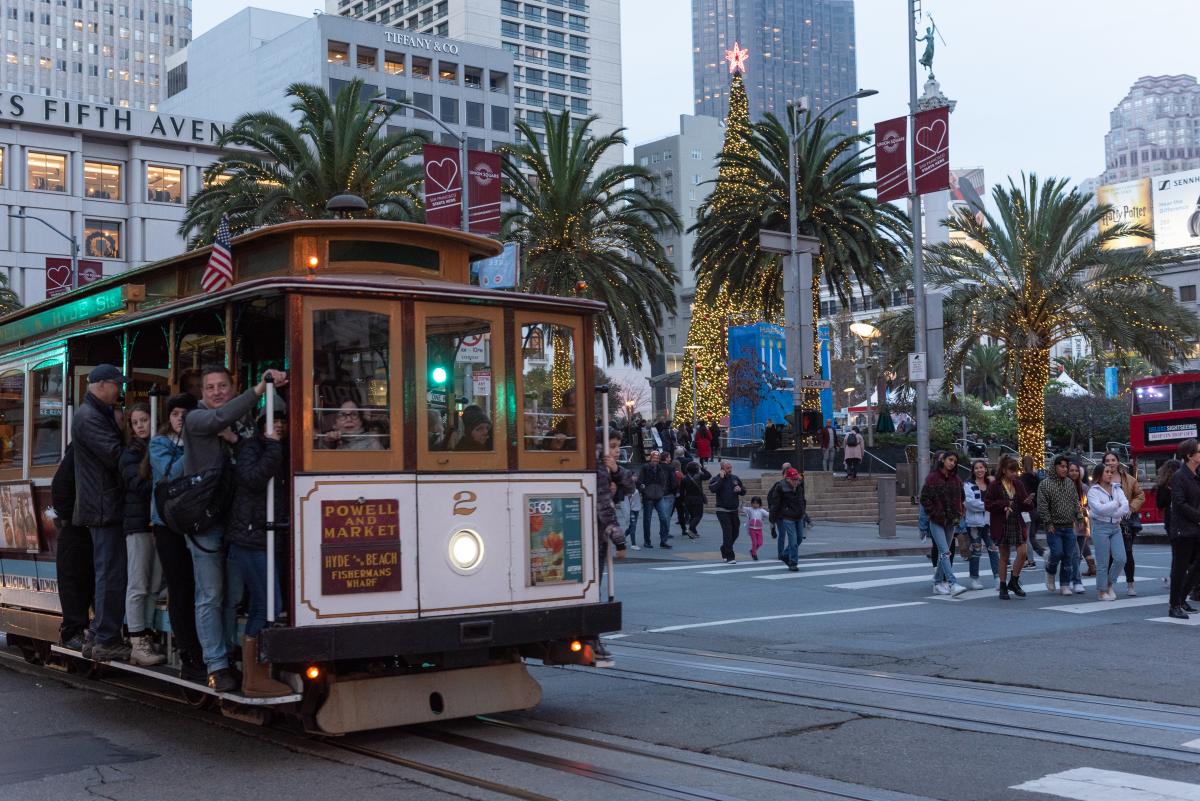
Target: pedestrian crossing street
(912, 576)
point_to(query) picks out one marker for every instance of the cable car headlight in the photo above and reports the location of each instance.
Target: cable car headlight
(465, 550)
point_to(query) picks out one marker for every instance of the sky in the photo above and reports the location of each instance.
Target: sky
(1035, 80)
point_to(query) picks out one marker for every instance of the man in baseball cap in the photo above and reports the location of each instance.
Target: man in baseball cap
(106, 373)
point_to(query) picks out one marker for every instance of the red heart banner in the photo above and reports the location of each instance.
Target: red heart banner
(443, 186)
(931, 150)
(58, 274)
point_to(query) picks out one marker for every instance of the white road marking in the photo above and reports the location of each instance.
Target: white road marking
(1092, 784)
(612, 636)
(699, 565)
(842, 570)
(993, 592)
(926, 575)
(1104, 606)
(781, 566)
(1193, 620)
(782, 617)
(1193, 744)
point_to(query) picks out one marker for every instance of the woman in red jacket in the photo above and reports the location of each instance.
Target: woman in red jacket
(1008, 502)
(703, 443)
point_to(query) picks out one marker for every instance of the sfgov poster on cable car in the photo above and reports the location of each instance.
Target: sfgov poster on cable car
(18, 521)
(555, 528)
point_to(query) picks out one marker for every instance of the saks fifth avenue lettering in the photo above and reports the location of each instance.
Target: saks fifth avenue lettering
(93, 117)
(398, 37)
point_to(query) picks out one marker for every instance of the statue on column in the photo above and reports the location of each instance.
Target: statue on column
(926, 59)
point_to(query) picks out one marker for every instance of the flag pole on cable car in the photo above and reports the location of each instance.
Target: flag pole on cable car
(153, 395)
(270, 393)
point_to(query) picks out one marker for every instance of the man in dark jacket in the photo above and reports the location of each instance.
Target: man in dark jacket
(100, 505)
(208, 433)
(727, 492)
(785, 508)
(73, 558)
(656, 482)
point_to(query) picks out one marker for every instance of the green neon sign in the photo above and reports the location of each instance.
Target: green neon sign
(75, 311)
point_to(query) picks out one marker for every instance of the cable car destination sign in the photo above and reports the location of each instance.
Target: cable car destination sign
(360, 546)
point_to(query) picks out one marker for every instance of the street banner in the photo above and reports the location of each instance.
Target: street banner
(931, 150)
(1110, 382)
(485, 191)
(1176, 212)
(1131, 205)
(498, 272)
(58, 274)
(443, 186)
(891, 159)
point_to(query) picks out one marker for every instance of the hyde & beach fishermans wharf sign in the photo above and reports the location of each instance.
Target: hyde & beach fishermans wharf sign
(360, 546)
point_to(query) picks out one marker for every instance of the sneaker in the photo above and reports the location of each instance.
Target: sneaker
(941, 588)
(729, 562)
(1050, 582)
(193, 671)
(74, 643)
(648, 545)
(974, 584)
(142, 652)
(664, 545)
(754, 556)
(957, 590)
(223, 681)
(88, 644)
(1129, 589)
(111, 652)
(1185, 606)
(1065, 590)
(1078, 589)
(794, 568)
(633, 546)
(601, 656)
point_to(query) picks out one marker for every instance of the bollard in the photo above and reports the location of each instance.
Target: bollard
(885, 489)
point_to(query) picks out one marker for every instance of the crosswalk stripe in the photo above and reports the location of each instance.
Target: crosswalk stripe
(700, 565)
(1193, 744)
(711, 623)
(1194, 620)
(1104, 606)
(1093, 784)
(986, 592)
(842, 570)
(926, 575)
(782, 566)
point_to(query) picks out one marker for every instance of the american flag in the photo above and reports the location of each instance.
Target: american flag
(218, 274)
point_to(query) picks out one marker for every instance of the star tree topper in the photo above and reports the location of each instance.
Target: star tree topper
(737, 58)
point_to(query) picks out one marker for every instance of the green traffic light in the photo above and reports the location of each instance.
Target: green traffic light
(439, 375)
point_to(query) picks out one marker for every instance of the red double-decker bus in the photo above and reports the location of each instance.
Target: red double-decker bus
(1166, 411)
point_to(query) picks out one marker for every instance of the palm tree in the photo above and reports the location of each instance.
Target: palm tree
(986, 373)
(277, 170)
(1037, 273)
(861, 239)
(591, 232)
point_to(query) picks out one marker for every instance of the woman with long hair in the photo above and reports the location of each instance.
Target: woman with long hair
(978, 528)
(1083, 532)
(144, 572)
(1183, 527)
(1008, 502)
(1107, 507)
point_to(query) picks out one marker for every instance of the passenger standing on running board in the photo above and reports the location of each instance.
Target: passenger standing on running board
(942, 499)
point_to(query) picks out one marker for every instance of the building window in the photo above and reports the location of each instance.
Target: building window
(421, 68)
(2, 153)
(449, 109)
(337, 52)
(500, 118)
(393, 63)
(101, 181)
(47, 171)
(1187, 294)
(101, 239)
(164, 184)
(474, 114)
(423, 101)
(365, 57)
(447, 72)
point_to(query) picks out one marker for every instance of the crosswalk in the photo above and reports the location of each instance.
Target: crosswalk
(907, 574)
(1093, 784)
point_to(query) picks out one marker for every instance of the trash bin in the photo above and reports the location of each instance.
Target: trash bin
(885, 489)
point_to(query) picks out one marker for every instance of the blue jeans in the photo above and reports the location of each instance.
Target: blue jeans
(252, 565)
(945, 570)
(109, 562)
(1064, 554)
(791, 534)
(631, 529)
(235, 586)
(981, 537)
(1106, 540)
(210, 596)
(664, 506)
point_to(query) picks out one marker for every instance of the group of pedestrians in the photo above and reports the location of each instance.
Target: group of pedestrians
(115, 549)
(1092, 523)
(701, 441)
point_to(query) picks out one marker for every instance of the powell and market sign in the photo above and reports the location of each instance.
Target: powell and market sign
(93, 117)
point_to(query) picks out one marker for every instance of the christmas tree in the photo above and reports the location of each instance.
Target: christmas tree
(707, 342)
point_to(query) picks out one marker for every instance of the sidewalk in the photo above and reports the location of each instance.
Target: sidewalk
(824, 539)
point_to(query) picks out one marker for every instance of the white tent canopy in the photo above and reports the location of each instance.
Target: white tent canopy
(1069, 386)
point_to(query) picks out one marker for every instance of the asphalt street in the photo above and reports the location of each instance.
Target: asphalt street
(848, 679)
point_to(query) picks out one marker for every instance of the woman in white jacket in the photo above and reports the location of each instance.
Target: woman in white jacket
(977, 521)
(1107, 506)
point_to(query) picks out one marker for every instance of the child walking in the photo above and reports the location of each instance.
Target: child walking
(756, 520)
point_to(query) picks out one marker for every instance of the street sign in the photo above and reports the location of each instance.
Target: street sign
(815, 383)
(917, 367)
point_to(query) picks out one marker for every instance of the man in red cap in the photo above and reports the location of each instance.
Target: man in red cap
(785, 507)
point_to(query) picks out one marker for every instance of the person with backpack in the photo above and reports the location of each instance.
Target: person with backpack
(694, 477)
(786, 506)
(208, 436)
(853, 453)
(829, 444)
(73, 558)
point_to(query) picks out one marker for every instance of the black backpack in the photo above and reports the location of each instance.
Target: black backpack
(852, 439)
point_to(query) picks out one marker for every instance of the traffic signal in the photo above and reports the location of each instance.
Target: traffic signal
(438, 375)
(810, 422)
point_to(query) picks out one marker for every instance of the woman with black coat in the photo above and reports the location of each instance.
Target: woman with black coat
(694, 496)
(144, 571)
(1183, 527)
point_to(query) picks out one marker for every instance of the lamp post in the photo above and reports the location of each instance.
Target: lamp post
(867, 333)
(695, 411)
(23, 215)
(463, 166)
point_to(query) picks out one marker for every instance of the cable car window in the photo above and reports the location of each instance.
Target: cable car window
(551, 421)
(12, 419)
(46, 387)
(460, 394)
(350, 376)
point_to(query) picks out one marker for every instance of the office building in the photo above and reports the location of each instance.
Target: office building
(107, 52)
(115, 179)
(685, 165)
(797, 48)
(246, 63)
(567, 52)
(1155, 129)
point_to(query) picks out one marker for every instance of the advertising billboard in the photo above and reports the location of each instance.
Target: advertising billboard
(1177, 210)
(1131, 205)
(966, 197)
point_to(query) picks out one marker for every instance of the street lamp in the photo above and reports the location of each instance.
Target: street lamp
(867, 332)
(22, 215)
(695, 413)
(463, 167)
